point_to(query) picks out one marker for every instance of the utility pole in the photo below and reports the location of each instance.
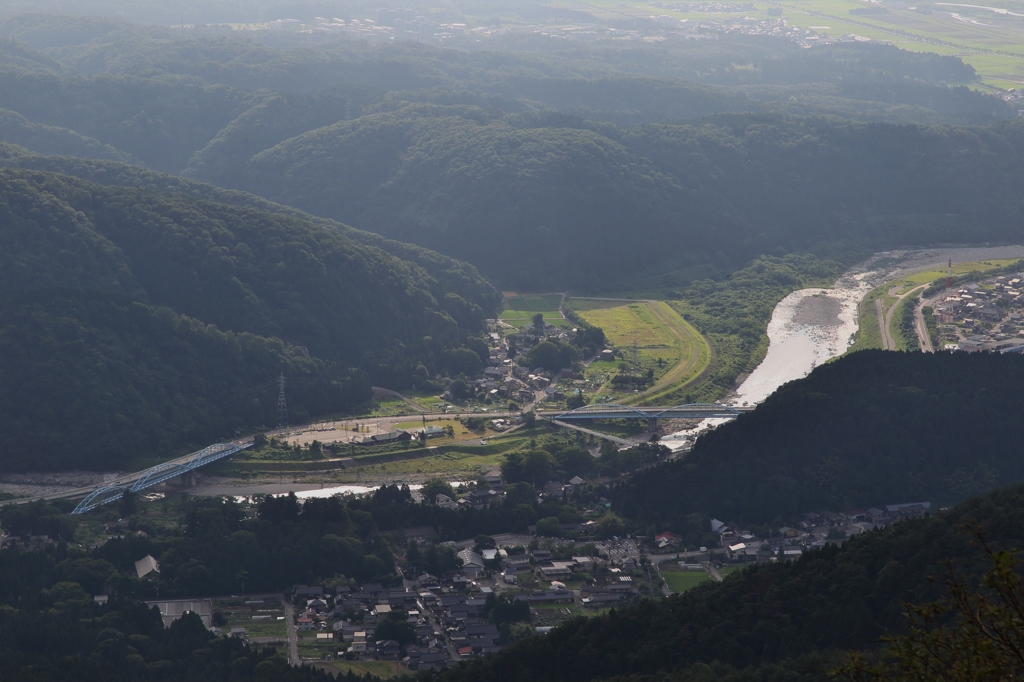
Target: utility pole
(282, 404)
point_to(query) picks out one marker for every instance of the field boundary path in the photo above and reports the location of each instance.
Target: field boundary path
(921, 327)
(682, 331)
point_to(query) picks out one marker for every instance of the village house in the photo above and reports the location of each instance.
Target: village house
(445, 502)
(520, 561)
(396, 436)
(472, 563)
(667, 542)
(431, 431)
(558, 596)
(421, 535)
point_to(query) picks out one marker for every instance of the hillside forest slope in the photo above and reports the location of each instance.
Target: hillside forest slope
(136, 321)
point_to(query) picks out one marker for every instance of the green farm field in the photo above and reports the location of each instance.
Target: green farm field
(681, 581)
(660, 334)
(988, 41)
(991, 42)
(520, 309)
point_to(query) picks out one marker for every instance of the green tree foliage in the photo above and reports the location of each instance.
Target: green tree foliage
(500, 608)
(552, 355)
(394, 626)
(445, 162)
(549, 527)
(135, 307)
(38, 518)
(733, 314)
(609, 525)
(51, 626)
(870, 428)
(647, 177)
(614, 461)
(462, 361)
(983, 641)
(436, 559)
(533, 466)
(434, 487)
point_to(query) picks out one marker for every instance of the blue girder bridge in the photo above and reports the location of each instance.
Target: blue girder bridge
(651, 414)
(159, 474)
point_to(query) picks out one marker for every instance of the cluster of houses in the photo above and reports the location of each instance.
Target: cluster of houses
(815, 530)
(505, 379)
(449, 623)
(484, 497)
(983, 316)
(348, 618)
(464, 629)
(540, 565)
(510, 381)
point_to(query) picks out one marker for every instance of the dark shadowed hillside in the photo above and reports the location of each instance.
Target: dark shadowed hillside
(870, 428)
(137, 321)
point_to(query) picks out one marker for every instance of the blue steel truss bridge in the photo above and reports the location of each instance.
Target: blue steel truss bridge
(182, 466)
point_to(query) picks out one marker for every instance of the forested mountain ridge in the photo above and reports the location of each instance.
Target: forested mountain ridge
(723, 189)
(444, 273)
(674, 154)
(458, 178)
(868, 429)
(92, 380)
(131, 306)
(788, 620)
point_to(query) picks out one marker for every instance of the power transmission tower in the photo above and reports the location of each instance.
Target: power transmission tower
(282, 404)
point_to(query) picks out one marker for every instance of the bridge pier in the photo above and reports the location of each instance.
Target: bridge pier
(652, 424)
(183, 481)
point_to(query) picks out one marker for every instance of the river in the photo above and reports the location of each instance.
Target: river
(812, 326)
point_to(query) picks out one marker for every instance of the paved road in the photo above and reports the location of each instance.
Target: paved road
(888, 342)
(293, 636)
(595, 434)
(883, 328)
(923, 337)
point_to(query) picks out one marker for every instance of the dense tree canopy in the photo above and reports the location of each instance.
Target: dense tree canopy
(544, 167)
(869, 429)
(136, 321)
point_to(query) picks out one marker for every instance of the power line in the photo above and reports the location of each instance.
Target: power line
(282, 404)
